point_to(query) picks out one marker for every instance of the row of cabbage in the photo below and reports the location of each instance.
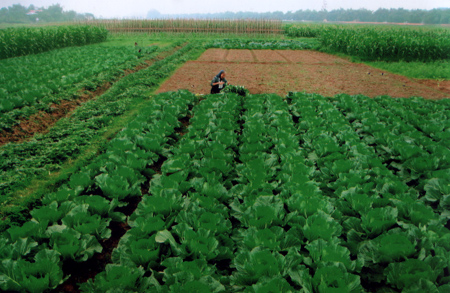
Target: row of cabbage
(396, 239)
(182, 227)
(414, 146)
(260, 194)
(252, 211)
(69, 138)
(27, 40)
(31, 83)
(72, 223)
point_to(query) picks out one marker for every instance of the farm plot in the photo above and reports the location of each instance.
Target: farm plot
(32, 83)
(282, 71)
(242, 194)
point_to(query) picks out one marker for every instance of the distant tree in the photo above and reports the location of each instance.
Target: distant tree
(54, 13)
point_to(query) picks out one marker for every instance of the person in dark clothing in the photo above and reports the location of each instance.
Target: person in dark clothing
(218, 83)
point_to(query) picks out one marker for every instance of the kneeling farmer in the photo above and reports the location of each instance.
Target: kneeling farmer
(218, 82)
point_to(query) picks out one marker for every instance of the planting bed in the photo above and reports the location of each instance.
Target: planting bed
(250, 194)
(281, 71)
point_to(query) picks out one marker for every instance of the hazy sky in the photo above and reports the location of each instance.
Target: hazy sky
(136, 8)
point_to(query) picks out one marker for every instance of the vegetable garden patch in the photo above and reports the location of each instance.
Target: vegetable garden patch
(254, 194)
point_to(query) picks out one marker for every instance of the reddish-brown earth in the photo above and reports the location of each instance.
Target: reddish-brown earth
(282, 71)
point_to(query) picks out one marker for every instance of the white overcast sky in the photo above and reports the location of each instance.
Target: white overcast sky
(139, 8)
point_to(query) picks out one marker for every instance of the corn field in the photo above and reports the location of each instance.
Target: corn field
(23, 41)
(190, 26)
(371, 43)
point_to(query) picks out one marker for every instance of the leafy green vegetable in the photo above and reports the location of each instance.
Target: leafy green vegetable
(73, 245)
(404, 274)
(118, 277)
(321, 225)
(256, 264)
(335, 278)
(43, 274)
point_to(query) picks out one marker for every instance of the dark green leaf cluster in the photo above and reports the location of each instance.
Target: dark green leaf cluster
(71, 224)
(259, 44)
(237, 89)
(380, 214)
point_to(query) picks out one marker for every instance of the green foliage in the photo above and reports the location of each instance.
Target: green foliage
(304, 31)
(31, 83)
(252, 44)
(237, 89)
(24, 41)
(72, 135)
(42, 274)
(258, 194)
(387, 44)
(117, 277)
(439, 70)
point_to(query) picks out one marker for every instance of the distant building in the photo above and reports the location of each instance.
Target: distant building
(33, 12)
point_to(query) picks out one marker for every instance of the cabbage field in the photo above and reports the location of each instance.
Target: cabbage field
(254, 194)
(236, 192)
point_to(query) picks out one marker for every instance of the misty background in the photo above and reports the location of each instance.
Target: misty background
(413, 11)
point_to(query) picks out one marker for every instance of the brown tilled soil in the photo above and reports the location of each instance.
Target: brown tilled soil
(282, 71)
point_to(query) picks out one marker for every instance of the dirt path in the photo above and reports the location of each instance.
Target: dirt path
(282, 71)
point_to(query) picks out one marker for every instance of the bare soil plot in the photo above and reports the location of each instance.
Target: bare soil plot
(311, 57)
(213, 55)
(308, 71)
(239, 56)
(269, 56)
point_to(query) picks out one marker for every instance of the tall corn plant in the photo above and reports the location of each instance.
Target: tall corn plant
(23, 41)
(388, 44)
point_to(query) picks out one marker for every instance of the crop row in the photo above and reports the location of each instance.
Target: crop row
(389, 44)
(380, 216)
(376, 43)
(185, 214)
(259, 44)
(23, 41)
(257, 194)
(73, 221)
(415, 157)
(28, 160)
(326, 215)
(31, 83)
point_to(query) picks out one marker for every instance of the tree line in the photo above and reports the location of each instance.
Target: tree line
(400, 15)
(32, 14)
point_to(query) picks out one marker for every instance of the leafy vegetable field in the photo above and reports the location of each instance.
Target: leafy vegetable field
(31, 83)
(20, 163)
(251, 194)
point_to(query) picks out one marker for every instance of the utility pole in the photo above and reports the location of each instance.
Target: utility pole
(324, 5)
(324, 10)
